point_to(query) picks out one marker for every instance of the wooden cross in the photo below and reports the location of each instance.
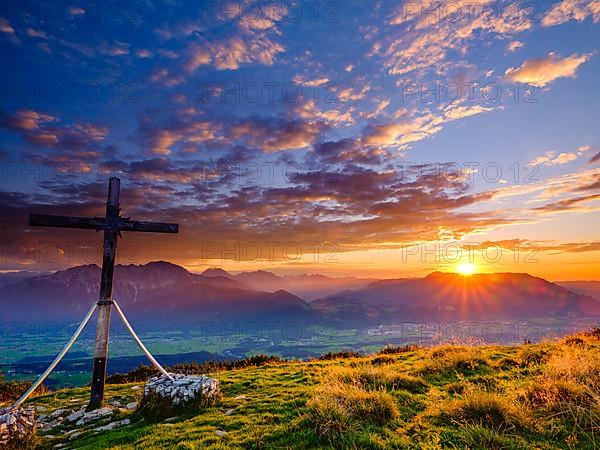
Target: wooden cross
(112, 225)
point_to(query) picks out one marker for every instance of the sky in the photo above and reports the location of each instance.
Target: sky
(379, 139)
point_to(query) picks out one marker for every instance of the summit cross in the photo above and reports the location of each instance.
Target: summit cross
(112, 224)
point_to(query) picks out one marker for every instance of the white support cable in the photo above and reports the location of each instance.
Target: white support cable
(60, 356)
(140, 343)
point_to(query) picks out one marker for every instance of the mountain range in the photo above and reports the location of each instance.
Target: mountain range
(161, 294)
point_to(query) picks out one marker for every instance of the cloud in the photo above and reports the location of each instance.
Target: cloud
(513, 46)
(36, 33)
(233, 52)
(432, 30)
(352, 95)
(550, 158)
(552, 187)
(353, 206)
(349, 151)
(309, 110)
(539, 246)
(5, 27)
(273, 135)
(182, 131)
(144, 53)
(594, 185)
(299, 79)
(456, 112)
(541, 71)
(75, 140)
(595, 158)
(570, 205)
(567, 10)
(25, 120)
(409, 130)
(263, 18)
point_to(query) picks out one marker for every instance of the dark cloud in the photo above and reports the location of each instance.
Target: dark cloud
(354, 206)
(567, 204)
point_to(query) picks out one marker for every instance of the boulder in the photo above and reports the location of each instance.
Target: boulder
(183, 388)
(16, 423)
(164, 397)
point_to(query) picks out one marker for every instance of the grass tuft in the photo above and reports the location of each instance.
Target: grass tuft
(451, 360)
(484, 409)
(378, 378)
(338, 407)
(480, 437)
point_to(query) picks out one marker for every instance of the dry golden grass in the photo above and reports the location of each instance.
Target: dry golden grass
(338, 407)
(553, 394)
(477, 408)
(576, 364)
(378, 377)
(569, 385)
(453, 359)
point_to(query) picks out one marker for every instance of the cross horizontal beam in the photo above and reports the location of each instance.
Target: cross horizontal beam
(44, 220)
(100, 223)
(149, 227)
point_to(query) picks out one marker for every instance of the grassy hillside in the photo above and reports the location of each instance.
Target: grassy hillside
(542, 396)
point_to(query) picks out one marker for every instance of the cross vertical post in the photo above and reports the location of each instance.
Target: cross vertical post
(105, 301)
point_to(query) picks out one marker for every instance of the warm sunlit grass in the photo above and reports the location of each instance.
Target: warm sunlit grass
(544, 396)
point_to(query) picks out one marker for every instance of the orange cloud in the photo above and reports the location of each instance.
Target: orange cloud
(568, 10)
(541, 71)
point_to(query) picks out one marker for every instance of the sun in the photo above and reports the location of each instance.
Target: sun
(466, 268)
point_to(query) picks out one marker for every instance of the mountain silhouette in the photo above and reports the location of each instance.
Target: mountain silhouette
(166, 295)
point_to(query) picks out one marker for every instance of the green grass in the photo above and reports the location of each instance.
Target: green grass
(543, 396)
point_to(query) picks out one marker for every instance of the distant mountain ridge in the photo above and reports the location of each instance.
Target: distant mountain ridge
(154, 292)
(591, 288)
(452, 297)
(162, 294)
(306, 286)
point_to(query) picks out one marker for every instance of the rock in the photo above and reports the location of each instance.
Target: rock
(221, 433)
(16, 422)
(113, 425)
(74, 435)
(182, 388)
(94, 415)
(104, 411)
(240, 397)
(229, 411)
(50, 425)
(135, 388)
(57, 413)
(76, 415)
(40, 408)
(70, 432)
(131, 405)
